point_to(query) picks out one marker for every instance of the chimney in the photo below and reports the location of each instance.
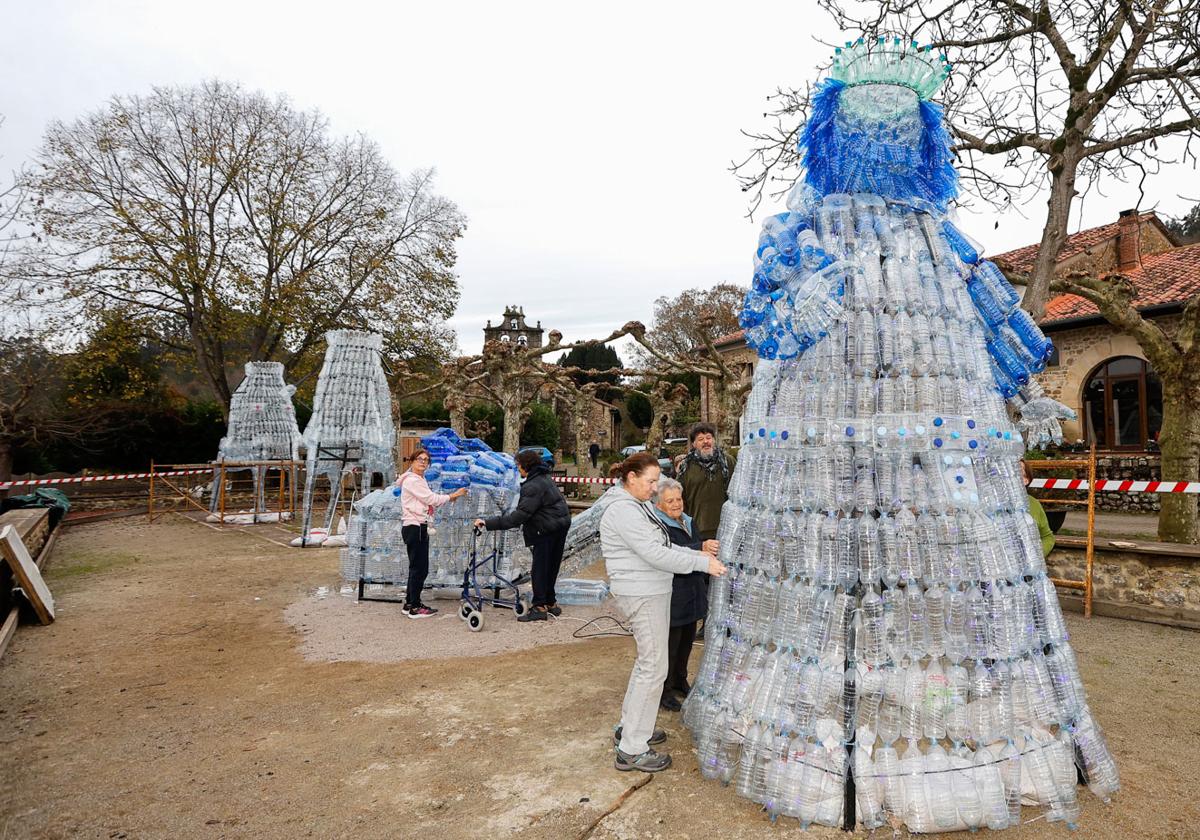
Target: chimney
(1129, 231)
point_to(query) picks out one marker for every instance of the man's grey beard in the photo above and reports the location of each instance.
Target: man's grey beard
(712, 454)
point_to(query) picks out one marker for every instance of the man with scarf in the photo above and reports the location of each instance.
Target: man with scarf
(705, 473)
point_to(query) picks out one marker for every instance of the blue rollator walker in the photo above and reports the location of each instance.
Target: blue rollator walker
(474, 595)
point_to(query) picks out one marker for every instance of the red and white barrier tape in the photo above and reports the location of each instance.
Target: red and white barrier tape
(87, 479)
(1111, 485)
(1103, 485)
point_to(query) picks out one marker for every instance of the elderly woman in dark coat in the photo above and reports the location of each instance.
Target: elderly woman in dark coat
(689, 593)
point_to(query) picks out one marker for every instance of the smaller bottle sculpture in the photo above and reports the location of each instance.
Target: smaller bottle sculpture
(375, 555)
(262, 428)
(351, 427)
(887, 636)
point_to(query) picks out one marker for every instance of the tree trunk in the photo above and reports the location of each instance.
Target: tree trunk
(1179, 441)
(457, 407)
(458, 420)
(515, 415)
(1062, 193)
(725, 409)
(6, 463)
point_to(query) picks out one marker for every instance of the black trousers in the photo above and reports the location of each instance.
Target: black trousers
(416, 541)
(547, 550)
(679, 649)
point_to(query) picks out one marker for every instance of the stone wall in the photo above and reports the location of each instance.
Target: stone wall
(1156, 582)
(1081, 351)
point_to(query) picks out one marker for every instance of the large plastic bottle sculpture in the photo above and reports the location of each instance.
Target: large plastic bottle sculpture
(887, 638)
(351, 424)
(262, 425)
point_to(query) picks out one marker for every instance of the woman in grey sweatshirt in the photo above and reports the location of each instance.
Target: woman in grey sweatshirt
(641, 563)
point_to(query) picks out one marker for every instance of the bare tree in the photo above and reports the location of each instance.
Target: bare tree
(1045, 95)
(682, 323)
(729, 385)
(666, 398)
(509, 376)
(235, 220)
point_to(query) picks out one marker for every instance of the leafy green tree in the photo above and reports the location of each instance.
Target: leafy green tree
(638, 406)
(493, 417)
(541, 429)
(594, 357)
(1188, 227)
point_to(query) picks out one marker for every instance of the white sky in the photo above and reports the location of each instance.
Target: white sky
(588, 145)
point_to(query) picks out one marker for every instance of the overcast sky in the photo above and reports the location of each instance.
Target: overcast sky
(588, 145)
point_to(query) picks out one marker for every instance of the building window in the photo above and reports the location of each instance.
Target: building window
(523, 340)
(514, 323)
(1122, 404)
(504, 338)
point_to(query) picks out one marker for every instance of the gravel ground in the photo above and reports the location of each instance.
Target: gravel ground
(336, 627)
(194, 687)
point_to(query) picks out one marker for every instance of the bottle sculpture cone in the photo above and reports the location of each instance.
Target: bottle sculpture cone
(887, 620)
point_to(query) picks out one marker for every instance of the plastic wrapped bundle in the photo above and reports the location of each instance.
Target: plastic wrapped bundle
(582, 547)
(886, 614)
(376, 551)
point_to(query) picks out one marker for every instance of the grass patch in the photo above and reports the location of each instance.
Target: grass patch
(65, 569)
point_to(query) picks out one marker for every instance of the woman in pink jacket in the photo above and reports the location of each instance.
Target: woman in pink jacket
(417, 503)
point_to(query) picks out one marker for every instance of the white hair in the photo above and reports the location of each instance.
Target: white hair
(665, 484)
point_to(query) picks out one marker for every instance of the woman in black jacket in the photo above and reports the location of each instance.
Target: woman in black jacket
(544, 518)
(689, 593)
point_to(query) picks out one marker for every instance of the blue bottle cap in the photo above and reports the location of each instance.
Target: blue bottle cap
(937, 421)
(762, 432)
(849, 431)
(784, 434)
(937, 442)
(955, 435)
(970, 424)
(973, 444)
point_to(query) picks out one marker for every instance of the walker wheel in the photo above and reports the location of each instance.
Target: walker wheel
(521, 607)
(464, 610)
(475, 621)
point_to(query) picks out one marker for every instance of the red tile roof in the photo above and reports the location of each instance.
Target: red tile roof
(1021, 260)
(1170, 277)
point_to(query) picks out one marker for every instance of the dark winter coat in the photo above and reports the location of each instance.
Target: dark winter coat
(689, 593)
(542, 508)
(705, 489)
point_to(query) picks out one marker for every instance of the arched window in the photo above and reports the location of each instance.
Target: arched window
(504, 338)
(1122, 404)
(523, 341)
(514, 323)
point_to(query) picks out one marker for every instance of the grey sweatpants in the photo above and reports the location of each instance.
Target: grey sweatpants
(649, 618)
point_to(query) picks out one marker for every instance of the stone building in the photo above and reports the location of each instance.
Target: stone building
(512, 327)
(1098, 371)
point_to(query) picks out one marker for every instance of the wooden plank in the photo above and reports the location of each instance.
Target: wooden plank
(26, 574)
(31, 524)
(9, 629)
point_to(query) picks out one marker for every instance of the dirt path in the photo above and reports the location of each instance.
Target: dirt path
(173, 699)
